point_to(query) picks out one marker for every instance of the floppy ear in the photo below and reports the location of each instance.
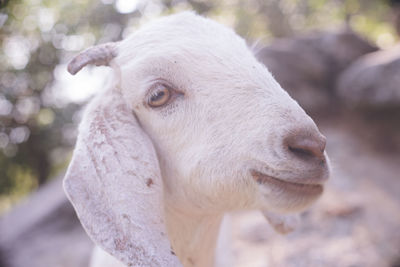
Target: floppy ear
(115, 185)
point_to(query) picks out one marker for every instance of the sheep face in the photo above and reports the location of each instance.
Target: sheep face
(226, 134)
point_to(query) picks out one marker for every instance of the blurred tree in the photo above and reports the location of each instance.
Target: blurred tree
(35, 130)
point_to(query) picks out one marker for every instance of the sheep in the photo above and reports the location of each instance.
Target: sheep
(190, 127)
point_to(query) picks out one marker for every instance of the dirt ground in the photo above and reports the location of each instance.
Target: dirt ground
(355, 223)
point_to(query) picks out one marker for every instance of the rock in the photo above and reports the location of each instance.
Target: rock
(44, 231)
(307, 67)
(373, 81)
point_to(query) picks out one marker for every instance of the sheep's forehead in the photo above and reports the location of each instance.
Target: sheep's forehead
(193, 52)
(186, 34)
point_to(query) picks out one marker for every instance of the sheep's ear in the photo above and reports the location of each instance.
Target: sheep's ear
(115, 185)
(99, 55)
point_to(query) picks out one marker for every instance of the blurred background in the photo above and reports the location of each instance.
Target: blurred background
(340, 59)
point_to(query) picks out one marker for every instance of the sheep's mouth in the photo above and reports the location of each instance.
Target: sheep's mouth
(287, 186)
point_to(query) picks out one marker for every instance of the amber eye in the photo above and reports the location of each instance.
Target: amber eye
(159, 96)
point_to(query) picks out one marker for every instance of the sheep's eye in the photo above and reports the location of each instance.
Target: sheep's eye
(159, 96)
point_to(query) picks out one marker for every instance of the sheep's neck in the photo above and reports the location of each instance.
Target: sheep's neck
(193, 237)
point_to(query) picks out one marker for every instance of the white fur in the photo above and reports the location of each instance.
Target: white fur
(231, 117)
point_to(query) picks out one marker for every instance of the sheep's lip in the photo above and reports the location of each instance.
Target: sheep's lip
(288, 186)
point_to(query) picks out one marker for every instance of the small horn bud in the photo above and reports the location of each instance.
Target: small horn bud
(99, 55)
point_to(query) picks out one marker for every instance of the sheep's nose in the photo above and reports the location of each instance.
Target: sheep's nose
(306, 144)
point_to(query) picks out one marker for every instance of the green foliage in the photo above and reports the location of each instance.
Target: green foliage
(36, 37)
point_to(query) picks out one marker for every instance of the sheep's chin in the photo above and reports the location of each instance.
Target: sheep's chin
(287, 196)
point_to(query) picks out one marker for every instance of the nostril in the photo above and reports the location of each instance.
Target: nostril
(306, 145)
(301, 152)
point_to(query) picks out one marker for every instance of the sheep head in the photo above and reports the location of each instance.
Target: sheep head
(193, 121)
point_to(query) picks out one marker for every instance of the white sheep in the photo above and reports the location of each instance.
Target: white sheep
(192, 127)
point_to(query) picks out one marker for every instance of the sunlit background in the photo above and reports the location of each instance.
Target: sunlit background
(40, 103)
